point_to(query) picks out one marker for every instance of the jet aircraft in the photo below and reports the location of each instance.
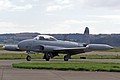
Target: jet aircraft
(51, 47)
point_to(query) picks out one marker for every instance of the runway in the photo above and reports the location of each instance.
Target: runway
(24, 74)
(9, 73)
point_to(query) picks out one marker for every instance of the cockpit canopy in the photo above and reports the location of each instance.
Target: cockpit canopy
(45, 37)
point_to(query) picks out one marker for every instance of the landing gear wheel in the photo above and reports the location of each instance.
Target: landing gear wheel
(47, 59)
(28, 58)
(47, 56)
(66, 58)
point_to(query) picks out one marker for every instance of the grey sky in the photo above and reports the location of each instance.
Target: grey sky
(59, 16)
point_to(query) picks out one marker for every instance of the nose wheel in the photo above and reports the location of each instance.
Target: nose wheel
(28, 58)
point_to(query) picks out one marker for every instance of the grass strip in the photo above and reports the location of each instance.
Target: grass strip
(114, 50)
(20, 56)
(40, 56)
(76, 66)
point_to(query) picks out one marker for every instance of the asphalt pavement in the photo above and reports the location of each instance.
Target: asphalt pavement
(9, 73)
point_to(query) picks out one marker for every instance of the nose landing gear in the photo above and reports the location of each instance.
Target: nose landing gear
(28, 58)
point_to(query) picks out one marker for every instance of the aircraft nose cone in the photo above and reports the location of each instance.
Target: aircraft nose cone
(21, 45)
(25, 44)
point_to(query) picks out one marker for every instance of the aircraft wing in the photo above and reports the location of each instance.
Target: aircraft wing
(70, 49)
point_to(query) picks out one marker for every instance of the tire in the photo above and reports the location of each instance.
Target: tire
(47, 56)
(66, 58)
(47, 59)
(28, 58)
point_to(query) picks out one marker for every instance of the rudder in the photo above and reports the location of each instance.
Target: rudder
(86, 35)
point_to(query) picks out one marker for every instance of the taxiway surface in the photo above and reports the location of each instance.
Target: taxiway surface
(9, 73)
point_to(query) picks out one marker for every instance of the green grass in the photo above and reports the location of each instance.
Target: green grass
(40, 56)
(1, 47)
(20, 56)
(76, 66)
(111, 50)
(96, 56)
(114, 50)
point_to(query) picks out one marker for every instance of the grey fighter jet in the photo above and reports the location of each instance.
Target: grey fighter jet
(51, 47)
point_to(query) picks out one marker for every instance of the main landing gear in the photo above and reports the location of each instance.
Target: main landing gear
(47, 56)
(67, 57)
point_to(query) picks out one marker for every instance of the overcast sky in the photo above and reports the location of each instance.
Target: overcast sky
(60, 16)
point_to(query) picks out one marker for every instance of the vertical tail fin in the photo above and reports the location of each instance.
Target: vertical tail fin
(86, 32)
(86, 35)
